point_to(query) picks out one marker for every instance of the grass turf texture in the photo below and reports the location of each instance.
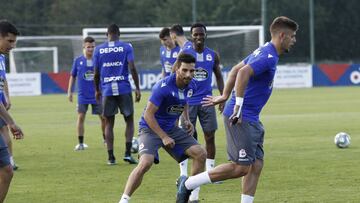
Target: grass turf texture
(302, 163)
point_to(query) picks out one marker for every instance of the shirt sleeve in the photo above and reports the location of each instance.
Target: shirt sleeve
(157, 95)
(259, 64)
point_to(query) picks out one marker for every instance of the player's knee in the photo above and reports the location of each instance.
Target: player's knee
(257, 167)
(240, 170)
(209, 137)
(201, 155)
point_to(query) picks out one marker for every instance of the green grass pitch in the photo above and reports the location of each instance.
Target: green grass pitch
(302, 163)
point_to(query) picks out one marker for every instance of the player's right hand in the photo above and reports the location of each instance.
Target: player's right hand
(16, 131)
(235, 118)
(168, 142)
(212, 100)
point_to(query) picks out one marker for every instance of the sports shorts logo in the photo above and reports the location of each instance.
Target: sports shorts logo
(242, 153)
(201, 74)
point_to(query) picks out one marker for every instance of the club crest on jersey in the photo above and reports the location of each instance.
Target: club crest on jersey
(175, 54)
(209, 57)
(190, 93)
(175, 109)
(89, 75)
(201, 74)
(81, 63)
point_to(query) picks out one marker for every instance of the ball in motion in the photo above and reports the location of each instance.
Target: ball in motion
(342, 140)
(135, 145)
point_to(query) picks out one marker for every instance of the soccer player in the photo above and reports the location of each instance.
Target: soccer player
(112, 60)
(83, 69)
(253, 80)
(158, 128)
(177, 34)
(168, 52)
(8, 34)
(207, 63)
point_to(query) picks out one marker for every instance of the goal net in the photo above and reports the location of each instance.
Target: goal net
(233, 43)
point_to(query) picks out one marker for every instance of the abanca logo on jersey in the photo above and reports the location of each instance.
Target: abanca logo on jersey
(108, 50)
(200, 74)
(112, 64)
(175, 109)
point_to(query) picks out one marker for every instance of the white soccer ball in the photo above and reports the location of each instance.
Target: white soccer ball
(135, 145)
(342, 140)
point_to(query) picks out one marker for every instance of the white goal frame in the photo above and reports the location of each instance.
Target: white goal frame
(96, 32)
(26, 49)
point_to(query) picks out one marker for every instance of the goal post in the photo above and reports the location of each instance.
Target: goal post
(54, 50)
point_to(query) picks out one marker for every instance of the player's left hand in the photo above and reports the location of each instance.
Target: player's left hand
(137, 95)
(189, 128)
(235, 118)
(98, 96)
(212, 100)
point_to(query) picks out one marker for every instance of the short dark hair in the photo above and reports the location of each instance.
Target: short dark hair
(186, 57)
(6, 27)
(165, 32)
(177, 29)
(195, 25)
(282, 22)
(113, 29)
(183, 57)
(89, 39)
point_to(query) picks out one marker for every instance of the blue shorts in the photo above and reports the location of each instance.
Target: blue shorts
(149, 143)
(244, 141)
(112, 104)
(4, 153)
(82, 108)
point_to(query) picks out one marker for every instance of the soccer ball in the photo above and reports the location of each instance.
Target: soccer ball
(135, 145)
(342, 140)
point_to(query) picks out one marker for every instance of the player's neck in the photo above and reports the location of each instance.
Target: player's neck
(277, 46)
(181, 41)
(113, 38)
(199, 48)
(170, 47)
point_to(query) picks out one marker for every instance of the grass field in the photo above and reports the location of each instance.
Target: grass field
(302, 163)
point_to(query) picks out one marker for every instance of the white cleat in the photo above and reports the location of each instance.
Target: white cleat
(79, 147)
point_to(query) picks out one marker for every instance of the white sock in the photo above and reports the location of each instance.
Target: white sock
(184, 167)
(12, 162)
(125, 199)
(246, 198)
(210, 164)
(195, 181)
(194, 194)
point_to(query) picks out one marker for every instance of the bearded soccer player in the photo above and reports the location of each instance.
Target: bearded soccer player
(8, 34)
(253, 81)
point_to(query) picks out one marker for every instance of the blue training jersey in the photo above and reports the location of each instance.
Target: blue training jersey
(263, 62)
(83, 70)
(111, 59)
(2, 78)
(170, 101)
(168, 58)
(204, 67)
